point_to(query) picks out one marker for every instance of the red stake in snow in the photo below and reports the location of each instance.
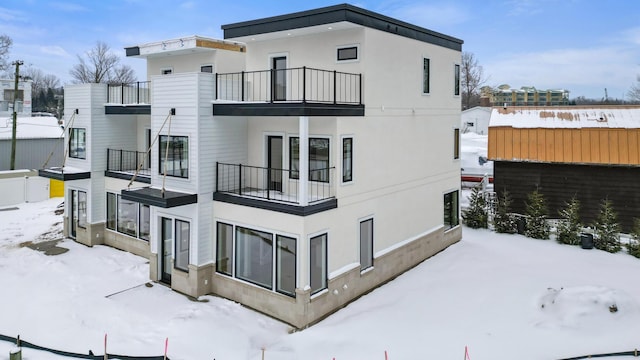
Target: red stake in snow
(466, 354)
(385, 355)
(105, 347)
(166, 345)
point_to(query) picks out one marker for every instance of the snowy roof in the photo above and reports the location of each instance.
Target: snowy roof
(568, 117)
(38, 127)
(477, 108)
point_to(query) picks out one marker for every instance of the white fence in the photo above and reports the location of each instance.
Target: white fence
(21, 186)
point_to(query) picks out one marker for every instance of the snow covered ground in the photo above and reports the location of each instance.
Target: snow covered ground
(503, 296)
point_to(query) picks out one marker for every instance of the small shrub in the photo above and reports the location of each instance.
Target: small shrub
(475, 216)
(633, 247)
(607, 229)
(569, 225)
(536, 211)
(504, 221)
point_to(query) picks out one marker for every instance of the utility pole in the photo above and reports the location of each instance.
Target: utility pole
(17, 63)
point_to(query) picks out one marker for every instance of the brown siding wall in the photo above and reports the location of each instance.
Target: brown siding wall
(580, 146)
(559, 182)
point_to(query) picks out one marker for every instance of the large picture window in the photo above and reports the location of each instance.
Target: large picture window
(183, 238)
(318, 159)
(254, 256)
(347, 159)
(174, 156)
(425, 75)
(77, 143)
(451, 210)
(366, 244)
(128, 217)
(318, 263)
(224, 248)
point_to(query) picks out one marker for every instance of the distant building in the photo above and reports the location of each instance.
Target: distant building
(525, 96)
(476, 120)
(37, 139)
(22, 102)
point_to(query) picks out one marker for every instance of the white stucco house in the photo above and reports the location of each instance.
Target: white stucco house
(293, 166)
(476, 120)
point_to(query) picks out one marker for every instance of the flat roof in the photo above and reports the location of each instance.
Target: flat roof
(336, 14)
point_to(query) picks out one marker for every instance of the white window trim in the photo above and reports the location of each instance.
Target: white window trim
(357, 59)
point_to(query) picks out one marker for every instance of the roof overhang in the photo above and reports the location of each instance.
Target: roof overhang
(64, 174)
(181, 46)
(157, 197)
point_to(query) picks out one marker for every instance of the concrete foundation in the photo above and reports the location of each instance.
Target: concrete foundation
(127, 243)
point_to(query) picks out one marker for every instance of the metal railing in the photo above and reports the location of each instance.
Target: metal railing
(291, 85)
(129, 94)
(128, 161)
(274, 184)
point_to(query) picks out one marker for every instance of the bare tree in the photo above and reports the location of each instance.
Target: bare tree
(634, 92)
(123, 74)
(5, 45)
(100, 66)
(472, 78)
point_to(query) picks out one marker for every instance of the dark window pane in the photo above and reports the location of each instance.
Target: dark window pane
(145, 217)
(286, 265)
(349, 53)
(111, 211)
(318, 263)
(347, 159)
(183, 238)
(425, 76)
(366, 244)
(254, 256)
(224, 248)
(174, 156)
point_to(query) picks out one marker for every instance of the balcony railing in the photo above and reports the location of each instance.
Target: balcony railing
(274, 184)
(129, 94)
(291, 85)
(127, 161)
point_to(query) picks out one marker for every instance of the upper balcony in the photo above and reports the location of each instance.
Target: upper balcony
(134, 99)
(300, 91)
(129, 165)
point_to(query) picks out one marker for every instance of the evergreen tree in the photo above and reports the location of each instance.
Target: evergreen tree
(504, 221)
(569, 225)
(633, 247)
(607, 229)
(536, 211)
(475, 216)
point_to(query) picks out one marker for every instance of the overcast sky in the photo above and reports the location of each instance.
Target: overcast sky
(583, 46)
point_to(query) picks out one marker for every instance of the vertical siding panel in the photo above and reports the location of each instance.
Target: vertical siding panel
(567, 153)
(558, 148)
(533, 144)
(576, 147)
(517, 154)
(634, 154)
(493, 143)
(508, 143)
(586, 145)
(604, 146)
(542, 153)
(524, 141)
(594, 137)
(549, 137)
(623, 147)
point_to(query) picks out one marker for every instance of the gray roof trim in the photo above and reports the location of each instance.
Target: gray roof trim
(338, 13)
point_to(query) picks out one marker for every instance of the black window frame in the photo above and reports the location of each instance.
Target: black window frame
(324, 275)
(227, 261)
(426, 75)
(347, 159)
(456, 143)
(456, 76)
(315, 174)
(451, 209)
(366, 244)
(162, 151)
(113, 218)
(82, 209)
(240, 262)
(206, 68)
(75, 142)
(279, 273)
(112, 211)
(347, 53)
(179, 251)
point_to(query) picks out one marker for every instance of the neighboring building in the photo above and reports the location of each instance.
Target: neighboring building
(525, 96)
(476, 120)
(38, 139)
(229, 202)
(22, 102)
(590, 152)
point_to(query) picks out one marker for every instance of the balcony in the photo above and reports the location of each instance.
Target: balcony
(125, 164)
(132, 99)
(289, 92)
(275, 189)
